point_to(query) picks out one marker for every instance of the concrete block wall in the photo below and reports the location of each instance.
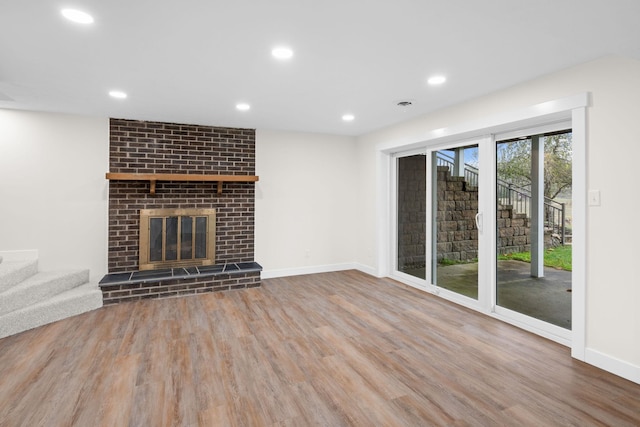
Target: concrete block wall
(457, 206)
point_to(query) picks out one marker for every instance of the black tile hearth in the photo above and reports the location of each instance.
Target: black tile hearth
(179, 273)
(115, 278)
(218, 268)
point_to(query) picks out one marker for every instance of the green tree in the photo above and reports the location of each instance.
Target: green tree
(514, 163)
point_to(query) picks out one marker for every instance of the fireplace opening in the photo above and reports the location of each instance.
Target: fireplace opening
(176, 238)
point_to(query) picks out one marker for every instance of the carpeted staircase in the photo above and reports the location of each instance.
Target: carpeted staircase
(29, 298)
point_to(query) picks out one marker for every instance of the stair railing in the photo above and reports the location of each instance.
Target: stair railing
(516, 196)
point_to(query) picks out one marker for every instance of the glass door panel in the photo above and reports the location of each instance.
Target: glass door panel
(411, 214)
(455, 178)
(533, 230)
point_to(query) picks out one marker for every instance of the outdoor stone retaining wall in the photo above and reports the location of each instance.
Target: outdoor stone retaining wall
(514, 231)
(412, 187)
(457, 234)
(455, 218)
(457, 231)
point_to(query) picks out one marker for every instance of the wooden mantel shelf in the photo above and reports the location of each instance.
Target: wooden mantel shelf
(179, 177)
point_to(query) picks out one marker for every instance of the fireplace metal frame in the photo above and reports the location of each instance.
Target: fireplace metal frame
(145, 262)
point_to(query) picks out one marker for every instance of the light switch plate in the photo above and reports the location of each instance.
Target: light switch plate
(594, 197)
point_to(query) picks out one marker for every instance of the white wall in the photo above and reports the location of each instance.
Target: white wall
(53, 189)
(613, 160)
(305, 202)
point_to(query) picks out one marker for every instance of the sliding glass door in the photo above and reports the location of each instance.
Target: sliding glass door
(436, 220)
(487, 223)
(455, 178)
(411, 214)
(533, 226)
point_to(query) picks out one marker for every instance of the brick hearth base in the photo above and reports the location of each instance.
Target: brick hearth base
(121, 287)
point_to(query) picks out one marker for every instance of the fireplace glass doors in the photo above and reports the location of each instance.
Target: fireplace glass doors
(176, 238)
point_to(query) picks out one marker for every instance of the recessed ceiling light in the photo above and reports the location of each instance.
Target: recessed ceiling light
(77, 16)
(282, 52)
(243, 107)
(436, 80)
(348, 117)
(117, 94)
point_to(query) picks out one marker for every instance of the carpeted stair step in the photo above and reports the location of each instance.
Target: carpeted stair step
(14, 272)
(40, 287)
(75, 301)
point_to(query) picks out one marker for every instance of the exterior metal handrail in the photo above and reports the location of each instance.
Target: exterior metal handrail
(516, 196)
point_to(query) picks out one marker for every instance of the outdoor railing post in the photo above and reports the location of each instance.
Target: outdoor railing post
(509, 193)
(563, 230)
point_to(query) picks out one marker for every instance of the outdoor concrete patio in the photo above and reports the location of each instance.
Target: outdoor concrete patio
(547, 298)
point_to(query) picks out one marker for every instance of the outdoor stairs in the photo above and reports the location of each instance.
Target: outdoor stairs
(29, 298)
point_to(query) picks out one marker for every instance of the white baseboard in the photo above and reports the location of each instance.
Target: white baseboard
(608, 363)
(366, 269)
(315, 269)
(23, 255)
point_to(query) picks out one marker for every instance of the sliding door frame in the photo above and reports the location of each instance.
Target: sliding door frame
(539, 327)
(394, 268)
(571, 109)
(481, 304)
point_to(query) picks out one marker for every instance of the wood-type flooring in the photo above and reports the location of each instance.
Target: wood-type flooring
(334, 349)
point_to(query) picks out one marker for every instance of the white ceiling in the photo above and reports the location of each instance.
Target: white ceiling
(192, 61)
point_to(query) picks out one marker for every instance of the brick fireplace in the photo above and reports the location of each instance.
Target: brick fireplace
(141, 147)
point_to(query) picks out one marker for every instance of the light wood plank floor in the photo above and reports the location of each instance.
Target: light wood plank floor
(335, 349)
